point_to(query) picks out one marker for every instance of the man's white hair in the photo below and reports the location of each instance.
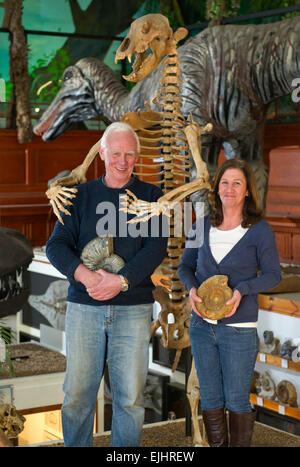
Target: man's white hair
(118, 127)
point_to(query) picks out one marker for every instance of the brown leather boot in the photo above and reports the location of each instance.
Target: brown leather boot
(216, 427)
(241, 428)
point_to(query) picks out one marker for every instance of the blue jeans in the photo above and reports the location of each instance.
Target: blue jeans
(224, 358)
(94, 334)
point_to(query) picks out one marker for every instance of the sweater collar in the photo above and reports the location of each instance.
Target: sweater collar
(131, 181)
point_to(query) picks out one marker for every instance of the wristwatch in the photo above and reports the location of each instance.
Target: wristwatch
(125, 285)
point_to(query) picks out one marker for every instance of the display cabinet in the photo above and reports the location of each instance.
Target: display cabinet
(280, 314)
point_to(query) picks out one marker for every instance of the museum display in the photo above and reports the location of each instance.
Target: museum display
(229, 76)
(265, 386)
(286, 393)
(52, 304)
(270, 344)
(168, 100)
(11, 423)
(188, 102)
(16, 254)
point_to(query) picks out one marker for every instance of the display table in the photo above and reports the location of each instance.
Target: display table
(38, 380)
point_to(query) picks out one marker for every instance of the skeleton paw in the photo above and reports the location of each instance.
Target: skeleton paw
(58, 196)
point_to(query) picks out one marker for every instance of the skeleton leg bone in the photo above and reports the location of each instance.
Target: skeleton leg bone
(193, 395)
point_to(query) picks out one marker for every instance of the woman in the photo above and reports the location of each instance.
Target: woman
(237, 242)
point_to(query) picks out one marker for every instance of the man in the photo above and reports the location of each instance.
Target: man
(108, 315)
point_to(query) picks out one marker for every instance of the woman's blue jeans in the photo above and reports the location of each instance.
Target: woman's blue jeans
(94, 334)
(224, 358)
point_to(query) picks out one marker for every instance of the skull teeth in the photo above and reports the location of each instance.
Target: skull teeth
(140, 57)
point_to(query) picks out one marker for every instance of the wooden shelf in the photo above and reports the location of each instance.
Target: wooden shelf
(275, 406)
(278, 361)
(279, 305)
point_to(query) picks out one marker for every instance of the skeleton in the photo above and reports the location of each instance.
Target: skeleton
(230, 75)
(175, 139)
(175, 133)
(144, 210)
(11, 423)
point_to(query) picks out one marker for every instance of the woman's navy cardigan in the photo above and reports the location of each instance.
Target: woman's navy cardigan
(255, 251)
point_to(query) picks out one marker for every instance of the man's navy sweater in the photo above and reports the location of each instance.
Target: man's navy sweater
(255, 251)
(95, 211)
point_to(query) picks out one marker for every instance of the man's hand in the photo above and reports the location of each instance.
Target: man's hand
(108, 287)
(86, 277)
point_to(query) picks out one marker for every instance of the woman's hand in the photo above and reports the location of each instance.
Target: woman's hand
(194, 299)
(235, 300)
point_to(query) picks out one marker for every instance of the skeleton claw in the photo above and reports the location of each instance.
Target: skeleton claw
(143, 210)
(58, 196)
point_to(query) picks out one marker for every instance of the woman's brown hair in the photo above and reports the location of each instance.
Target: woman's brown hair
(252, 212)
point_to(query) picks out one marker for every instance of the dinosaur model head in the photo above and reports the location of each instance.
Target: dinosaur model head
(152, 32)
(16, 254)
(74, 102)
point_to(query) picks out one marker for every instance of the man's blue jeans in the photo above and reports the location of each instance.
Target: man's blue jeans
(94, 334)
(224, 358)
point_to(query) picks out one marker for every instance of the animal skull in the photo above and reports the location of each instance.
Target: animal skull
(11, 422)
(148, 32)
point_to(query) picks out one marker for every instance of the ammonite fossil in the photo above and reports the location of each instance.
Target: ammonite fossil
(271, 345)
(214, 293)
(287, 349)
(98, 254)
(286, 393)
(265, 386)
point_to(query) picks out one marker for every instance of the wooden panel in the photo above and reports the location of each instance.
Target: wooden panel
(31, 165)
(47, 163)
(277, 135)
(284, 166)
(287, 235)
(25, 171)
(35, 222)
(279, 305)
(283, 197)
(296, 248)
(284, 246)
(13, 167)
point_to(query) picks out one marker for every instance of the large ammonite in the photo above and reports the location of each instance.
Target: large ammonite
(214, 293)
(98, 254)
(286, 393)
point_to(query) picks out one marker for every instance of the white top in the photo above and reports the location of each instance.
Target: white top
(221, 242)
